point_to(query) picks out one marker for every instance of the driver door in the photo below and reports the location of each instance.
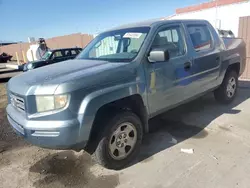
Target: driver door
(167, 82)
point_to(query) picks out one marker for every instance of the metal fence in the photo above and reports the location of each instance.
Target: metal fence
(244, 32)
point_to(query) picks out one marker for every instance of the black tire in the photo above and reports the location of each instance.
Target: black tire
(220, 93)
(102, 154)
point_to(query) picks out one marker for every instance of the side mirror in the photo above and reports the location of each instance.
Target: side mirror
(158, 56)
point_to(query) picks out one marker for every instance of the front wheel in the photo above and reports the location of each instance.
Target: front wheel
(228, 89)
(120, 141)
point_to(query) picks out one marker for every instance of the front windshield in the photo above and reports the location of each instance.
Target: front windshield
(120, 45)
(46, 55)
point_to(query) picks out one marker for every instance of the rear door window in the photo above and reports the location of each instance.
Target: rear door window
(200, 37)
(67, 53)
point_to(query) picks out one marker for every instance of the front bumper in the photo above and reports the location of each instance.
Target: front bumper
(48, 134)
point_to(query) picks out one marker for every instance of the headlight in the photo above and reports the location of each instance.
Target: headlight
(30, 66)
(49, 103)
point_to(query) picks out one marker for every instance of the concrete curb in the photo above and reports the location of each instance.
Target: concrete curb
(12, 66)
(244, 83)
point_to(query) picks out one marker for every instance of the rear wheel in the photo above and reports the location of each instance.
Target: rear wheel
(228, 89)
(120, 142)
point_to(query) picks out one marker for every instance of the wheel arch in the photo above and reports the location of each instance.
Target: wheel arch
(234, 66)
(100, 104)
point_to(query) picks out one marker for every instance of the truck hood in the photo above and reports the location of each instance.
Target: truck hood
(46, 80)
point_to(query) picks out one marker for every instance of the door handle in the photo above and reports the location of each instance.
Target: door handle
(217, 59)
(187, 66)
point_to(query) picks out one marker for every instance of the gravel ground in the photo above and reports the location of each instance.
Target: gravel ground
(23, 165)
(8, 138)
(6, 73)
(219, 136)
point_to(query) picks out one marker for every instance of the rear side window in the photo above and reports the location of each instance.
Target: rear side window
(75, 52)
(200, 36)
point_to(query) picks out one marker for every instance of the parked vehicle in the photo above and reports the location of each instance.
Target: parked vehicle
(4, 57)
(226, 33)
(51, 57)
(102, 100)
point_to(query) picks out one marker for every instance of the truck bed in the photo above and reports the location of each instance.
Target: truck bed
(235, 47)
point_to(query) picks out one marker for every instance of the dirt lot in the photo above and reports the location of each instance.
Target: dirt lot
(7, 72)
(218, 134)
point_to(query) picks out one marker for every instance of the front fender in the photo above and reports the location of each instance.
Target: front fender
(94, 101)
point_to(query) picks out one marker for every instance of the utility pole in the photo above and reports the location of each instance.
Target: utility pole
(217, 21)
(216, 10)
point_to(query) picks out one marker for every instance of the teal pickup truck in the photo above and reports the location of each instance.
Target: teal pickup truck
(102, 100)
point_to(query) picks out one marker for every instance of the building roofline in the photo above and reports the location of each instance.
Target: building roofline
(207, 5)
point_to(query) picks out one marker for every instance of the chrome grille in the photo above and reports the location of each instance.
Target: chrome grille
(17, 102)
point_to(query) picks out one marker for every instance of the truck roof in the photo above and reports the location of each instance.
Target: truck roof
(73, 48)
(155, 22)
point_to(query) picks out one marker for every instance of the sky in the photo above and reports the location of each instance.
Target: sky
(21, 19)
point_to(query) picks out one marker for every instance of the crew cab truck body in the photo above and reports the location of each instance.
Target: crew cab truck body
(102, 100)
